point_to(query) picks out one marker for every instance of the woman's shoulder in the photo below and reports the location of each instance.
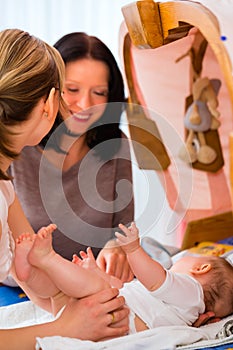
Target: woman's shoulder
(29, 157)
(31, 151)
(7, 192)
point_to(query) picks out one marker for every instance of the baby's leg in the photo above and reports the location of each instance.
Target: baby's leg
(139, 324)
(88, 261)
(22, 266)
(35, 278)
(42, 246)
(71, 279)
(58, 301)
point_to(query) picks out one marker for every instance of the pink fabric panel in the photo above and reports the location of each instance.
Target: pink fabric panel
(164, 85)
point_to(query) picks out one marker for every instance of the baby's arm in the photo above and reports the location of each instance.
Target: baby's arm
(148, 271)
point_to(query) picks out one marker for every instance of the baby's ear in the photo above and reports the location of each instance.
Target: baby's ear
(201, 269)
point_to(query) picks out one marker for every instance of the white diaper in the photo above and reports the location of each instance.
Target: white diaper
(132, 328)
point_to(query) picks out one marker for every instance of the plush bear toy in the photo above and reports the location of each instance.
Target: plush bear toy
(201, 116)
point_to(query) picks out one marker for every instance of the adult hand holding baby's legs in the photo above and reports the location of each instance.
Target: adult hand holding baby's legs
(92, 316)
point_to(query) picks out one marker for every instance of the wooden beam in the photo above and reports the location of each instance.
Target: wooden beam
(143, 22)
(150, 24)
(212, 229)
(147, 143)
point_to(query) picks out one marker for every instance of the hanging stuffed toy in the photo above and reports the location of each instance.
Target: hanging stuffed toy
(201, 116)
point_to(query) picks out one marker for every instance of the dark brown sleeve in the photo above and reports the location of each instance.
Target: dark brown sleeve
(124, 171)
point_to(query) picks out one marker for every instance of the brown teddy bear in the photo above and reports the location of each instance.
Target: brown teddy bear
(201, 116)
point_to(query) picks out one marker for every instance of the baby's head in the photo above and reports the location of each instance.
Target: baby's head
(218, 287)
(215, 274)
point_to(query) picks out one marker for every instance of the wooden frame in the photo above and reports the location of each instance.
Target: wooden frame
(153, 24)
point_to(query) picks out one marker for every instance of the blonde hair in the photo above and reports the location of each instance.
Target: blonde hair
(29, 69)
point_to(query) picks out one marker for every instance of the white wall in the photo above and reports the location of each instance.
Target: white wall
(51, 19)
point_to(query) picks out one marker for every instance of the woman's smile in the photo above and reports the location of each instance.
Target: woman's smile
(80, 116)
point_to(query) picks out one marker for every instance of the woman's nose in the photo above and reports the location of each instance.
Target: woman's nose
(84, 101)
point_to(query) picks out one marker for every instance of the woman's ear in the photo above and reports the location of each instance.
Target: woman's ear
(50, 105)
(201, 269)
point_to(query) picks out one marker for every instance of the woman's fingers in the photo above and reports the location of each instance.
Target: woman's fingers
(120, 317)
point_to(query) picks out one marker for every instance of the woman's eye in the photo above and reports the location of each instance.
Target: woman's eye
(72, 90)
(101, 93)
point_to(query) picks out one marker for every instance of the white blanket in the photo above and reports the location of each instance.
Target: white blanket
(161, 338)
(169, 337)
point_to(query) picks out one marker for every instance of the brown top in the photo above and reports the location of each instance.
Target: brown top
(86, 202)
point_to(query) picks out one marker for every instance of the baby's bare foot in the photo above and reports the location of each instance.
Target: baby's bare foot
(42, 246)
(24, 244)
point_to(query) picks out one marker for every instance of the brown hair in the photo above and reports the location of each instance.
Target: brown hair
(29, 69)
(76, 46)
(218, 290)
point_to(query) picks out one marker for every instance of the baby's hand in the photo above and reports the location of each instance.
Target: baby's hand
(130, 241)
(87, 259)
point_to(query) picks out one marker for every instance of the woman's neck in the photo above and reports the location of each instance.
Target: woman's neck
(76, 150)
